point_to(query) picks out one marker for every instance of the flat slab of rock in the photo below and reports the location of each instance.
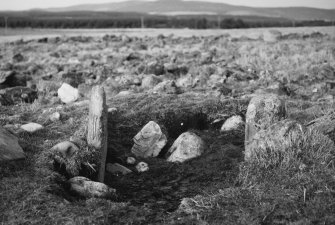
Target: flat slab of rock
(263, 111)
(9, 147)
(232, 123)
(187, 146)
(32, 127)
(90, 189)
(274, 137)
(149, 141)
(67, 93)
(116, 168)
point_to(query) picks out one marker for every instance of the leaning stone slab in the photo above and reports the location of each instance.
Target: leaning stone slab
(187, 146)
(9, 147)
(97, 127)
(149, 141)
(263, 111)
(90, 189)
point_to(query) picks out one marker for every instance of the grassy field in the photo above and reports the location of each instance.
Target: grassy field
(218, 187)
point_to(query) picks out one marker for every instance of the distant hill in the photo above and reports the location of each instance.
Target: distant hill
(180, 7)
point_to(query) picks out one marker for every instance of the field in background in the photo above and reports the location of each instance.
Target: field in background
(28, 34)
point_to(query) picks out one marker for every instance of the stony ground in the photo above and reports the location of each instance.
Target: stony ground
(182, 83)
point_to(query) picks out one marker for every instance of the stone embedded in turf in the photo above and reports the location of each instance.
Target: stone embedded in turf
(142, 167)
(274, 140)
(149, 141)
(66, 149)
(90, 189)
(116, 168)
(232, 123)
(67, 93)
(32, 127)
(9, 146)
(263, 111)
(187, 146)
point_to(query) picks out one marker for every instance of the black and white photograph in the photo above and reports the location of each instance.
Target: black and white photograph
(167, 112)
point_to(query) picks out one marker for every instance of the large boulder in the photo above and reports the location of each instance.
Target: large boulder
(90, 189)
(16, 95)
(149, 141)
(263, 111)
(274, 139)
(187, 146)
(67, 93)
(9, 146)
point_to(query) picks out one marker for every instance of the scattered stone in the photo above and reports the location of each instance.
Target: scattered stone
(124, 93)
(66, 149)
(275, 137)
(168, 87)
(150, 81)
(116, 168)
(142, 167)
(232, 123)
(131, 160)
(17, 95)
(90, 189)
(32, 127)
(112, 110)
(149, 141)
(9, 147)
(55, 117)
(67, 93)
(263, 111)
(187, 146)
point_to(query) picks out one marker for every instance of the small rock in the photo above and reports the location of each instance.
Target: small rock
(67, 93)
(112, 110)
(187, 146)
(142, 167)
(123, 93)
(149, 141)
(116, 168)
(168, 87)
(9, 146)
(66, 149)
(131, 160)
(90, 189)
(150, 81)
(232, 123)
(32, 127)
(55, 117)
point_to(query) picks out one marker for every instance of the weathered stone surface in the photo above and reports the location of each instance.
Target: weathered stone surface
(149, 141)
(16, 95)
(232, 123)
(116, 168)
(67, 93)
(32, 127)
(54, 117)
(168, 87)
(272, 36)
(90, 189)
(263, 111)
(9, 146)
(187, 146)
(131, 160)
(142, 167)
(275, 137)
(97, 126)
(65, 149)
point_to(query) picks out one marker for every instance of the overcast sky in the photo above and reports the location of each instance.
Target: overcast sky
(29, 4)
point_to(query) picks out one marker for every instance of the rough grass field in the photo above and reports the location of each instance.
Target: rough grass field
(218, 187)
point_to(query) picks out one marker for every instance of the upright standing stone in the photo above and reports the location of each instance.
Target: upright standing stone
(97, 126)
(263, 111)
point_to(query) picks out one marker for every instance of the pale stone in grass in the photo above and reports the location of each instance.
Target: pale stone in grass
(187, 146)
(263, 111)
(131, 160)
(232, 123)
(167, 87)
(90, 189)
(116, 168)
(142, 167)
(32, 127)
(9, 147)
(149, 141)
(55, 117)
(67, 93)
(66, 149)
